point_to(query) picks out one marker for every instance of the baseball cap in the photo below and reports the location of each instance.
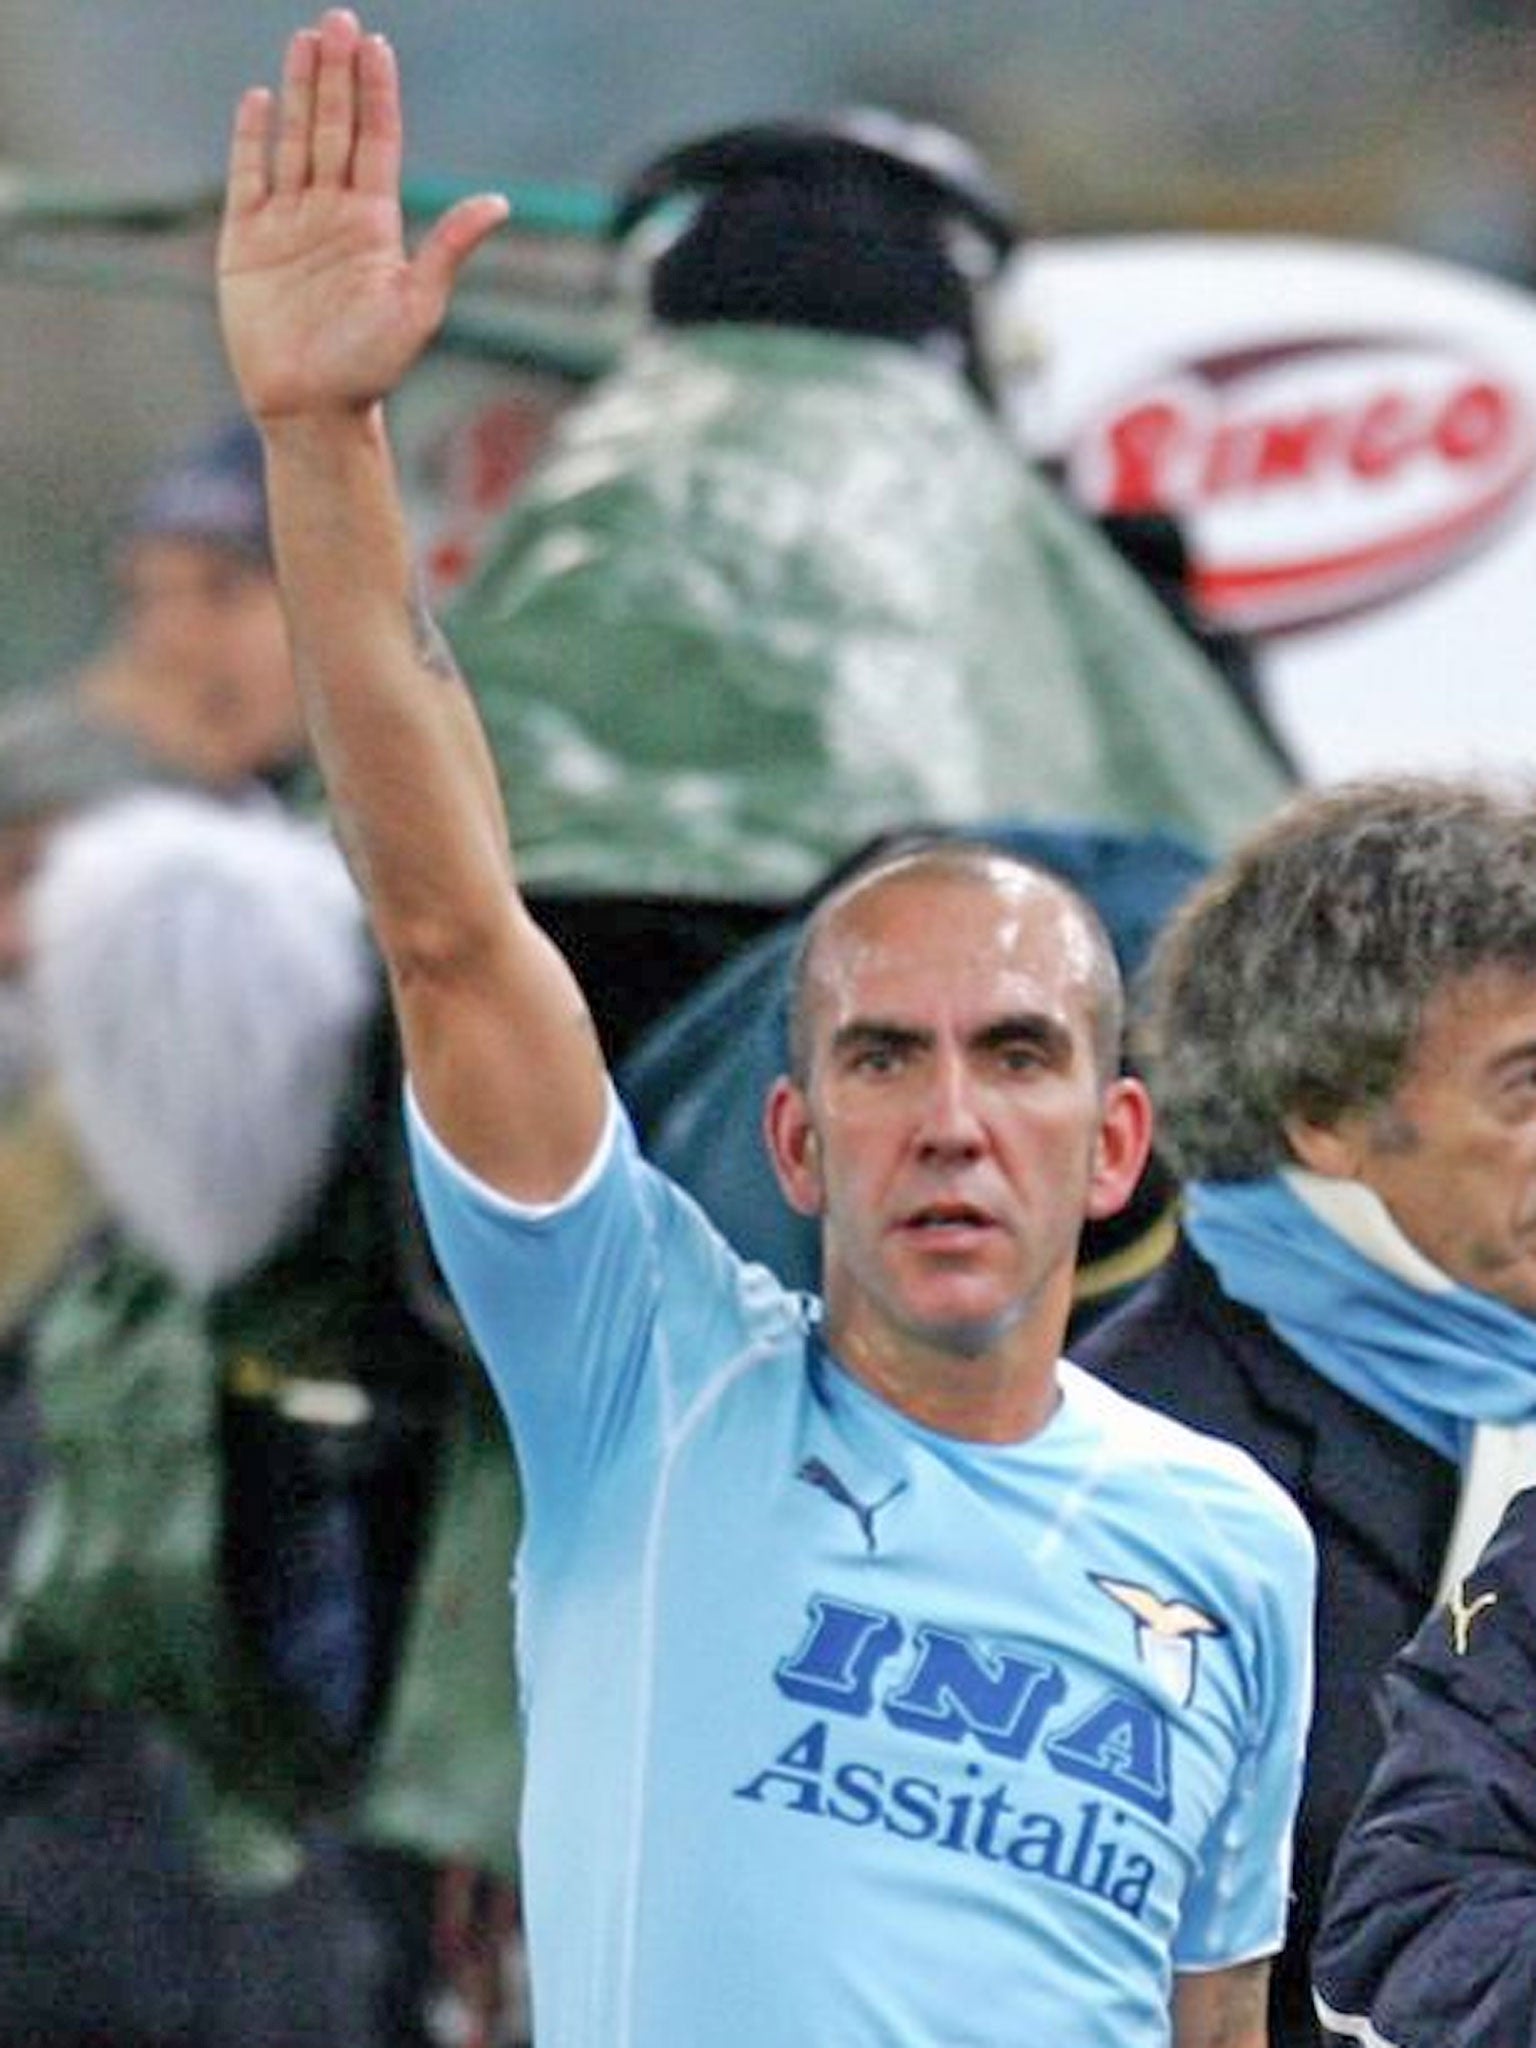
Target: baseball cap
(214, 492)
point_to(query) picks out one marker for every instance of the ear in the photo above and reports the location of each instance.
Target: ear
(1330, 1149)
(793, 1146)
(1121, 1148)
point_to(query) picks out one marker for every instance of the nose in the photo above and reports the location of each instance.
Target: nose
(951, 1124)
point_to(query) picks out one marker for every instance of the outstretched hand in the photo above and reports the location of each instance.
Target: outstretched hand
(323, 308)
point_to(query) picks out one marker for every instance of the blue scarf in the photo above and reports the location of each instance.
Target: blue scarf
(1434, 1357)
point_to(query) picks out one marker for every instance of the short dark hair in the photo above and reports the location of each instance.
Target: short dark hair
(1293, 981)
(966, 857)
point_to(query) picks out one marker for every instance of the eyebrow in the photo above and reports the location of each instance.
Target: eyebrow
(861, 1034)
(1027, 1027)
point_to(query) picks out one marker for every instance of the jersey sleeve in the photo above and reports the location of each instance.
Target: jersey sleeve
(596, 1316)
(1235, 1910)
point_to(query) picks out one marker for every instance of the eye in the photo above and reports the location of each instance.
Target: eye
(875, 1059)
(875, 1052)
(1517, 1088)
(1018, 1057)
(1024, 1055)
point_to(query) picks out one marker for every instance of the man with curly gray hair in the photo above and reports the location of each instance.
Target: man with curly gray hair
(1339, 1030)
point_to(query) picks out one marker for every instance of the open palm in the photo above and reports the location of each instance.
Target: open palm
(321, 304)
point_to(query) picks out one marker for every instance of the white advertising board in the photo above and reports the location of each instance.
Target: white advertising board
(1348, 435)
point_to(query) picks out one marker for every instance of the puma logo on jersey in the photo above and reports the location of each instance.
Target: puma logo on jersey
(1463, 1612)
(1166, 1633)
(819, 1474)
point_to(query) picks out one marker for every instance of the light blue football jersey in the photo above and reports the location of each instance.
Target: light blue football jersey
(839, 1730)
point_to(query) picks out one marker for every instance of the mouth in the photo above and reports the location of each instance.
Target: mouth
(946, 1220)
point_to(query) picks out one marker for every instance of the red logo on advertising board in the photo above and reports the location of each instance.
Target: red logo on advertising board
(1317, 478)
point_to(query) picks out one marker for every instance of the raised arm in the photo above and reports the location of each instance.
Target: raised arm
(324, 311)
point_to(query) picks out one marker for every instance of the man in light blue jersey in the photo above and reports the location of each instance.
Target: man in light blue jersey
(886, 1680)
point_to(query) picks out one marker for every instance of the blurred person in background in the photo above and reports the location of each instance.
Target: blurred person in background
(264, 1504)
(111, 1927)
(197, 669)
(235, 1568)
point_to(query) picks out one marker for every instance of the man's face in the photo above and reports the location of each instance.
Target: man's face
(1454, 1154)
(954, 1131)
(209, 685)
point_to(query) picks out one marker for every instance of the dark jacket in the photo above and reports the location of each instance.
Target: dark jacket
(1430, 1922)
(1380, 1505)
